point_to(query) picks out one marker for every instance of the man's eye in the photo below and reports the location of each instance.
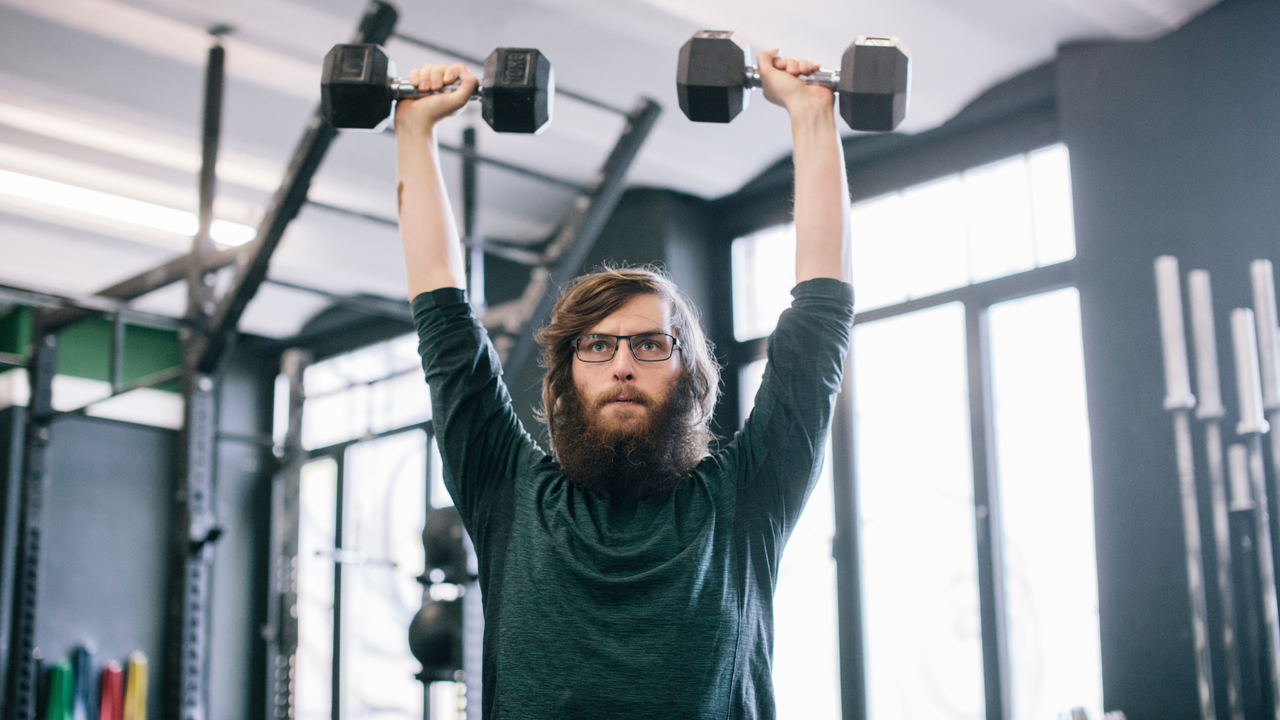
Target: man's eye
(649, 345)
(598, 346)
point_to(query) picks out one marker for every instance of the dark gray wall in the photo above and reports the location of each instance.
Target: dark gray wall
(104, 557)
(1175, 148)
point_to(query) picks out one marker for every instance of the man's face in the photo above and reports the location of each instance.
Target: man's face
(624, 394)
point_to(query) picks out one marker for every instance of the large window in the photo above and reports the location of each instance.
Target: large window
(363, 504)
(991, 221)
(1042, 453)
(915, 520)
(806, 664)
(968, 390)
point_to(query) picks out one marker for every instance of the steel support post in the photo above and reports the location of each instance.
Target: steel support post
(853, 677)
(339, 513)
(184, 674)
(23, 681)
(568, 250)
(282, 600)
(996, 680)
(195, 531)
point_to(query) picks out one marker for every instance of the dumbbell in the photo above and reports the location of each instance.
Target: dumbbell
(714, 78)
(358, 89)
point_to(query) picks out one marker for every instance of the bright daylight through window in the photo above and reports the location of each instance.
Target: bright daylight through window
(921, 624)
(986, 222)
(363, 508)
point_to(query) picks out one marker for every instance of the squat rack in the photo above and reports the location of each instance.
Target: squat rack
(207, 338)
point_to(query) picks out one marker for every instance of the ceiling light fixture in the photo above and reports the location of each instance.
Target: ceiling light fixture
(113, 207)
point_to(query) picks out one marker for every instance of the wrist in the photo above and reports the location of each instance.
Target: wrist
(414, 129)
(812, 117)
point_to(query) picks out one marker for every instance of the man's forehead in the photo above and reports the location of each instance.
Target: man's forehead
(640, 313)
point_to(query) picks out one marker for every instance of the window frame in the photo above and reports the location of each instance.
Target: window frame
(337, 452)
(877, 165)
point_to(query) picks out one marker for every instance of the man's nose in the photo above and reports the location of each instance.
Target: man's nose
(623, 363)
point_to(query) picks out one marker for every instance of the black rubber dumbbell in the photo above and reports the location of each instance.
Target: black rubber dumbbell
(358, 89)
(714, 80)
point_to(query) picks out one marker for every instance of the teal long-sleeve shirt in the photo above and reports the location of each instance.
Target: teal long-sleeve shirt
(603, 607)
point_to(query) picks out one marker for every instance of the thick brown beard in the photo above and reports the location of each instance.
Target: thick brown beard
(632, 463)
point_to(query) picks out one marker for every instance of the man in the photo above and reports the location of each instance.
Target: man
(631, 574)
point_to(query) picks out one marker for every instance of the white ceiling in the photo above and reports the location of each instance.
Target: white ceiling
(106, 94)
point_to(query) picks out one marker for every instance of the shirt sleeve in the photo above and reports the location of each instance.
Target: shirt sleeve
(777, 456)
(482, 443)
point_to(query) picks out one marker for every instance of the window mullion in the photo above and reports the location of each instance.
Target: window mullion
(991, 597)
(339, 515)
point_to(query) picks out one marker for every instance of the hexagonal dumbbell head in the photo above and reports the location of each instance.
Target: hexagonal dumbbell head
(518, 90)
(354, 87)
(874, 76)
(710, 79)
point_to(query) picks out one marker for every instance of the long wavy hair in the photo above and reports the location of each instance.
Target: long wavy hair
(590, 299)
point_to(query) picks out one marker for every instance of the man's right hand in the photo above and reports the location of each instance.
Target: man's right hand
(419, 117)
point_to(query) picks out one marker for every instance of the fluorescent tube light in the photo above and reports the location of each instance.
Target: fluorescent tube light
(114, 207)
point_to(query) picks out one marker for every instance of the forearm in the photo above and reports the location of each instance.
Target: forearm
(822, 197)
(428, 232)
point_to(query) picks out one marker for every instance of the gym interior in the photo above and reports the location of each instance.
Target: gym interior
(222, 496)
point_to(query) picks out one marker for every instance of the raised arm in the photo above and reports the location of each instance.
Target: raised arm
(428, 231)
(822, 191)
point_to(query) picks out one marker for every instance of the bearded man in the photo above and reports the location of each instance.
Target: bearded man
(631, 573)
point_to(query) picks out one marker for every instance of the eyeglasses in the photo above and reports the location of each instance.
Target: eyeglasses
(645, 347)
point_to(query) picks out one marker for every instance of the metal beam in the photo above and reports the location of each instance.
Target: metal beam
(139, 285)
(498, 248)
(569, 248)
(87, 307)
(367, 304)
(149, 381)
(513, 168)
(377, 24)
(23, 681)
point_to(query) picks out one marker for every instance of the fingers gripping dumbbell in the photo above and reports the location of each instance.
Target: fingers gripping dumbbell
(358, 89)
(714, 79)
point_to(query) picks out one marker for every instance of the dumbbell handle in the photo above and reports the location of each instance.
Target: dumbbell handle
(826, 78)
(403, 90)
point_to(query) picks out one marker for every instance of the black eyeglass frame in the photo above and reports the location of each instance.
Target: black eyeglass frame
(675, 343)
